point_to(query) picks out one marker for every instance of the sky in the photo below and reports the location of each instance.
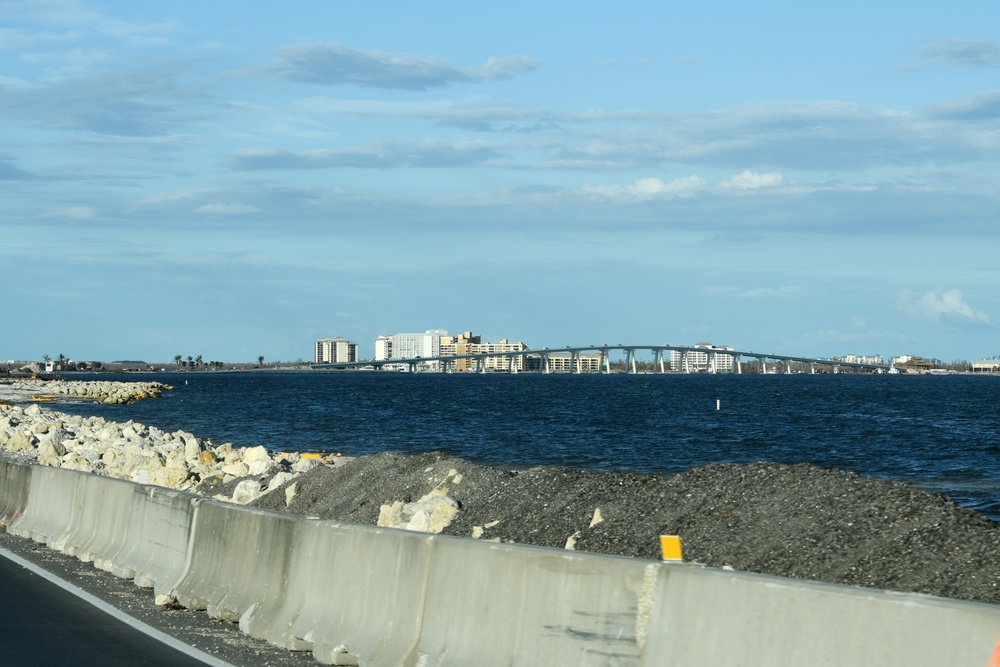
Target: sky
(233, 180)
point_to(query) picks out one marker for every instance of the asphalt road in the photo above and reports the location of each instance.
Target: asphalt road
(108, 621)
(42, 623)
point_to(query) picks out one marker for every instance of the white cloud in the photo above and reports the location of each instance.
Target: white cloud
(227, 209)
(947, 304)
(751, 180)
(651, 188)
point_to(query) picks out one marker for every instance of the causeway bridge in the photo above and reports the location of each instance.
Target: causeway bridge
(596, 359)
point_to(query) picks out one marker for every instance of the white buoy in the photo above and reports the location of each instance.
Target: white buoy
(718, 404)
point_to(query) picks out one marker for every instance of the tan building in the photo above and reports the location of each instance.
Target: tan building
(562, 362)
(466, 343)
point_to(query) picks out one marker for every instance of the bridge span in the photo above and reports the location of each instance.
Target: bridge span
(572, 359)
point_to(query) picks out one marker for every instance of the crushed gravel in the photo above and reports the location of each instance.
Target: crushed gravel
(798, 521)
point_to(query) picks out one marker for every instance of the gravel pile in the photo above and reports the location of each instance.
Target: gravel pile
(790, 520)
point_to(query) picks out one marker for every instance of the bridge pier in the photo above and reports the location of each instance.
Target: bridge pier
(630, 361)
(658, 360)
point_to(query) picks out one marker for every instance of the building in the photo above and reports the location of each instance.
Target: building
(986, 365)
(335, 351)
(417, 345)
(562, 362)
(410, 346)
(913, 364)
(383, 348)
(711, 360)
(466, 343)
(855, 359)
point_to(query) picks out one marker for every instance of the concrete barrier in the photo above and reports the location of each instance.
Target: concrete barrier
(15, 484)
(715, 617)
(353, 590)
(48, 514)
(134, 531)
(508, 604)
(158, 532)
(239, 559)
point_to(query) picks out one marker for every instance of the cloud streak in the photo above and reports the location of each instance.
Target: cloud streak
(954, 52)
(122, 103)
(380, 156)
(333, 64)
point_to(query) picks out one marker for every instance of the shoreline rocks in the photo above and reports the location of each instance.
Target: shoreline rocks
(108, 392)
(143, 454)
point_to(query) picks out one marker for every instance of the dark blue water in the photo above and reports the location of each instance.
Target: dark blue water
(940, 433)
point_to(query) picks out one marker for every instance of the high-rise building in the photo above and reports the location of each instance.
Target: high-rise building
(383, 348)
(706, 358)
(411, 346)
(335, 351)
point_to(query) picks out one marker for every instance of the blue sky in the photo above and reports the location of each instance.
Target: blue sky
(238, 179)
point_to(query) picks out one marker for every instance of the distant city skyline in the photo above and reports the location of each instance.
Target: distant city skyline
(235, 180)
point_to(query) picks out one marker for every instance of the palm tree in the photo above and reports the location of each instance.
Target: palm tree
(197, 361)
(177, 360)
(260, 361)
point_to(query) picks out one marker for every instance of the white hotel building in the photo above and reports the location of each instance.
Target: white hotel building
(335, 351)
(712, 360)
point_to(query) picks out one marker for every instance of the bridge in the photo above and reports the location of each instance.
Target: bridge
(581, 359)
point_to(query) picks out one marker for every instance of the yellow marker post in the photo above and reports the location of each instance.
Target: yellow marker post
(671, 545)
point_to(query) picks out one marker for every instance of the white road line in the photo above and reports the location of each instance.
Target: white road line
(149, 630)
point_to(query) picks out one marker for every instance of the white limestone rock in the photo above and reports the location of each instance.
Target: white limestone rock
(279, 480)
(258, 453)
(246, 491)
(21, 441)
(430, 514)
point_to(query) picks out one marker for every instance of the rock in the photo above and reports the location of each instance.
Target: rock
(21, 441)
(32, 411)
(50, 453)
(76, 462)
(258, 453)
(246, 491)
(431, 514)
(172, 478)
(278, 480)
(206, 458)
(290, 492)
(238, 469)
(192, 448)
(259, 467)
